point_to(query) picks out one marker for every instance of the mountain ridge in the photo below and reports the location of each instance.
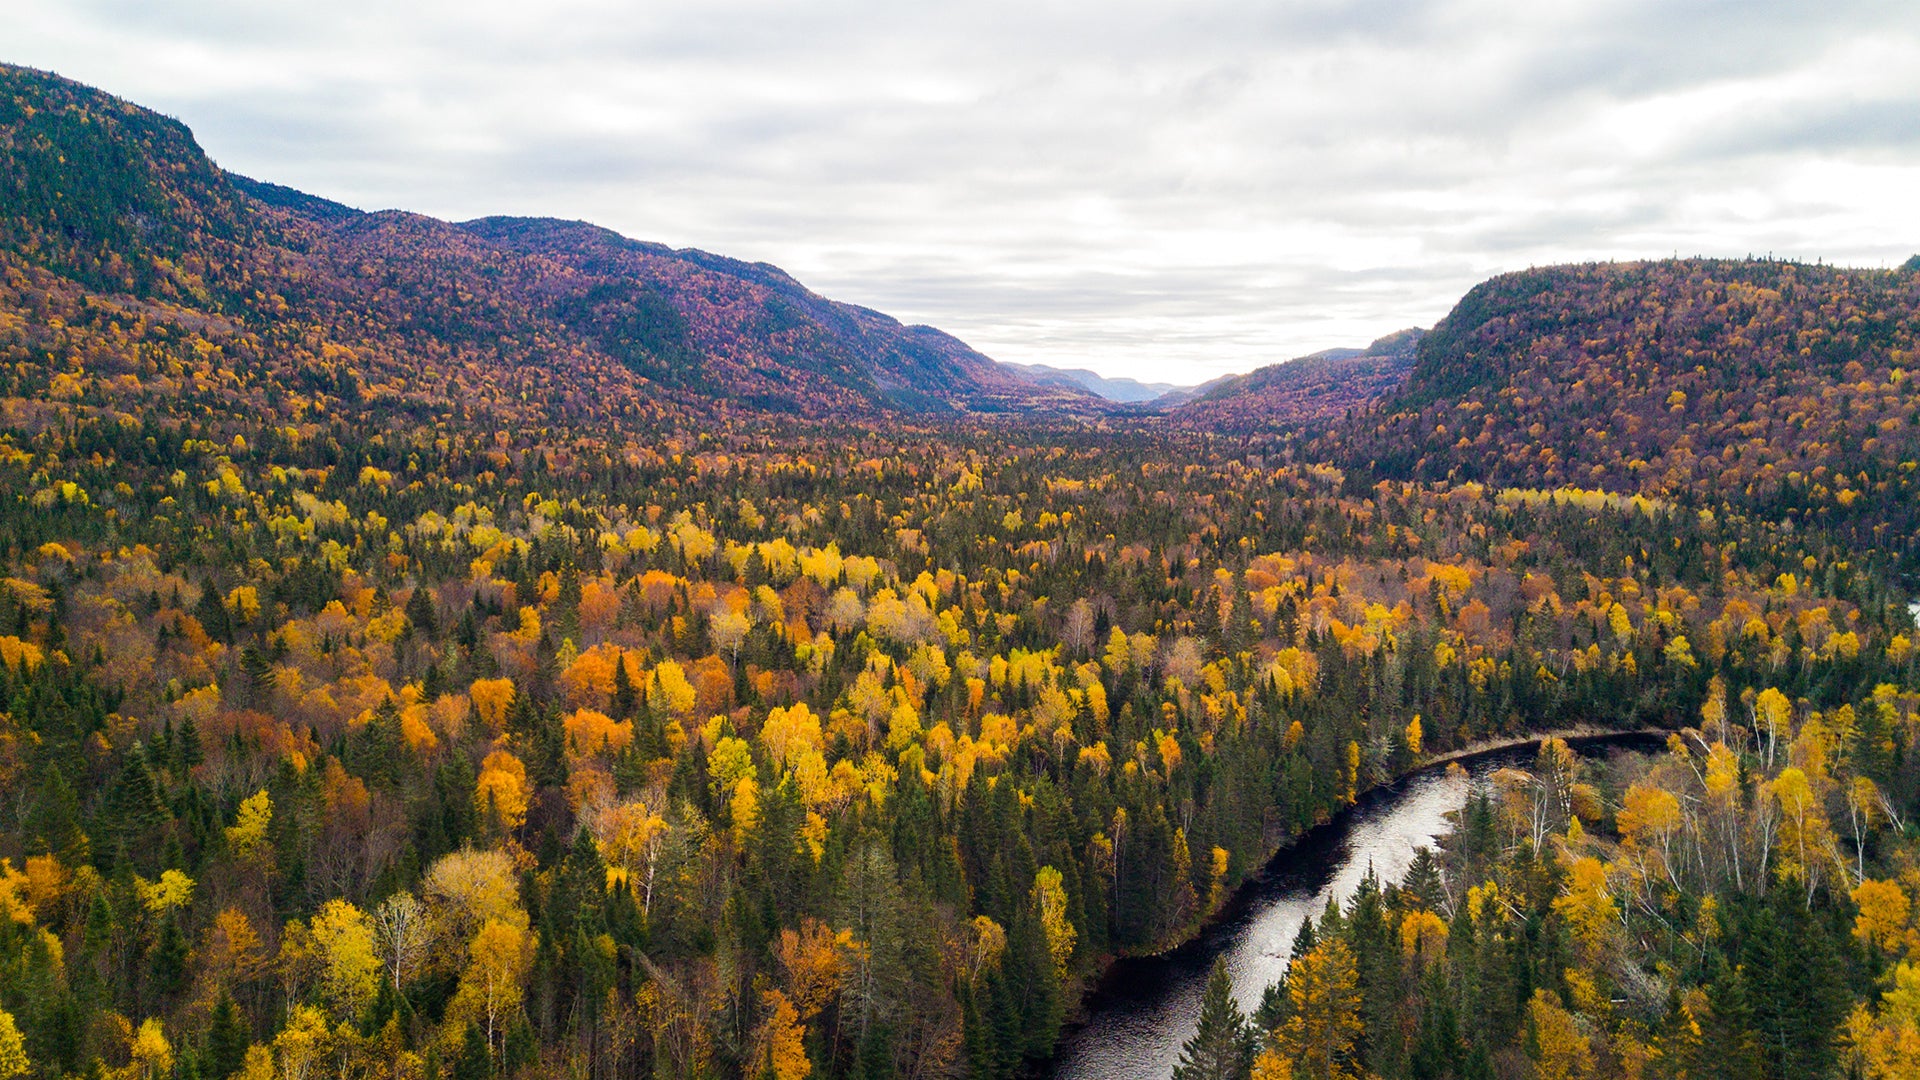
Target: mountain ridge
(121, 199)
(1114, 388)
(1315, 389)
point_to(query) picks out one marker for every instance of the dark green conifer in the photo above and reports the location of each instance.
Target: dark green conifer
(227, 1040)
(1220, 1048)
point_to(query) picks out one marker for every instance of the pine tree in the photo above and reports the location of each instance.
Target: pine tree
(420, 613)
(260, 675)
(1220, 1049)
(134, 811)
(1794, 984)
(227, 1041)
(167, 961)
(1423, 880)
(474, 1060)
(1726, 1046)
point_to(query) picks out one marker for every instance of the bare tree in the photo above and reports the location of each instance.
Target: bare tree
(400, 925)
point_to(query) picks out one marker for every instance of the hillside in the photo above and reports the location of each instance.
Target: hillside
(1785, 389)
(1123, 390)
(1308, 391)
(109, 201)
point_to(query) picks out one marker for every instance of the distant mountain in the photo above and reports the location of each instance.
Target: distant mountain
(1126, 391)
(1792, 391)
(119, 201)
(1314, 389)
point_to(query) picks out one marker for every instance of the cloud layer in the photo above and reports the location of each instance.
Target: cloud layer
(1164, 190)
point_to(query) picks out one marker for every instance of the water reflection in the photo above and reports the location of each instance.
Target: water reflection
(1146, 1008)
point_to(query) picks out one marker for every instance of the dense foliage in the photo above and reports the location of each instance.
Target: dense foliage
(1739, 907)
(120, 201)
(396, 683)
(1785, 389)
(1306, 393)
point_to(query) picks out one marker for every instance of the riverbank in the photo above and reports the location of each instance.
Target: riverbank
(1575, 737)
(1140, 1000)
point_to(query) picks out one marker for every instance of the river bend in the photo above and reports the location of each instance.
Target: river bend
(1146, 1007)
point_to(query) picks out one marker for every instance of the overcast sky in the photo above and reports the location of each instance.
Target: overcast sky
(1166, 190)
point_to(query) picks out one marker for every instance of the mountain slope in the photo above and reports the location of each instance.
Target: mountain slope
(1311, 390)
(121, 201)
(1125, 391)
(1787, 389)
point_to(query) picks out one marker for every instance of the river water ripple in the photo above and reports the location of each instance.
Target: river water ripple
(1145, 1008)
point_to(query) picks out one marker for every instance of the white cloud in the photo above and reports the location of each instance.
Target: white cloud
(1151, 189)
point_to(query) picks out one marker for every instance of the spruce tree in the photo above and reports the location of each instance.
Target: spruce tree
(420, 613)
(474, 1061)
(227, 1039)
(1727, 1047)
(1793, 978)
(1220, 1049)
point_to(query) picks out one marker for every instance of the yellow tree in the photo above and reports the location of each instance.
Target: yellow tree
(784, 1037)
(303, 1044)
(247, 837)
(1772, 713)
(744, 809)
(343, 941)
(233, 952)
(1806, 839)
(13, 1049)
(1558, 1049)
(1423, 937)
(151, 1053)
(501, 792)
(1323, 986)
(790, 733)
(500, 957)
(1272, 1065)
(467, 889)
(1882, 922)
(491, 699)
(984, 947)
(1588, 907)
(630, 836)
(815, 960)
(1648, 821)
(1050, 897)
(669, 691)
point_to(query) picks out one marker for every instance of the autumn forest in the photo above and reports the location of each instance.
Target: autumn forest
(442, 651)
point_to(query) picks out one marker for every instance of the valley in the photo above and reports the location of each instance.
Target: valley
(505, 648)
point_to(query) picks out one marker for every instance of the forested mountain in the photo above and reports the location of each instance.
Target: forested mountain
(1785, 389)
(436, 652)
(121, 202)
(1305, 393)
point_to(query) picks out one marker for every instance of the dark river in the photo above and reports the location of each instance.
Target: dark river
(1146, 1007)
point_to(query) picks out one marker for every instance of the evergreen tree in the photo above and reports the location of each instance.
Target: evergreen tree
(1727, 1047)
(227, 1039)
(1793, 982)
(1221, 1048)
(167, 962)
(421, 615)
(134, 813)
(474, 1060)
